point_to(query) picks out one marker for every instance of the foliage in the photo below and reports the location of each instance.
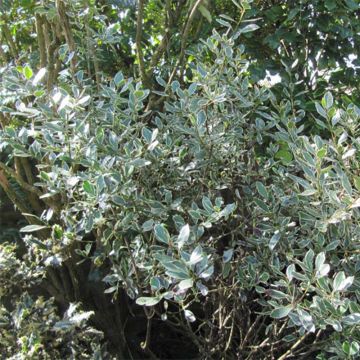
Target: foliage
(218, 214)
(30, 327)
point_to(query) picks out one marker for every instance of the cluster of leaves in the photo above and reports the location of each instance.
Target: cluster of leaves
(225, 210)
(220, 199)
(30, 325)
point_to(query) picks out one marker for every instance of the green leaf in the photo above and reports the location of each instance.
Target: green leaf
(333, 245)
(261, 189)
(281, 312)
(32, 228)
(330, 4)
(176, 269)
(205, 12)
(89, 188)
(148, 301)
(28, 73)
(147, 225)
(309, 259)
(350, 349)
(284, 155)
(352, 319)
(208, 206)
(277, 294)
(274, 240)
(118, 79)
(320, 260)
(249, 28)
(161, 233)
(328, 100)
(320, 110)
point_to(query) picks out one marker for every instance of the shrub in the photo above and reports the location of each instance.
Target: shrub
(219, 214)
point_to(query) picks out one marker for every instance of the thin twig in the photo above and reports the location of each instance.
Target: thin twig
(289, 352)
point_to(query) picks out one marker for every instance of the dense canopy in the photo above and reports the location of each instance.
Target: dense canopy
(179, 179)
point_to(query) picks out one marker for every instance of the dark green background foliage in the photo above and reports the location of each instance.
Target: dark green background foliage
(162, 196)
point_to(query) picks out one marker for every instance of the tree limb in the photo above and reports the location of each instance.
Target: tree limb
(21, 182)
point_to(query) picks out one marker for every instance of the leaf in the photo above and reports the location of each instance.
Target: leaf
(118, 78)
(140, 163)
(328, 100)
(249, 28)
(308, 260)
(333, 245)
(290, 271)
(28, 73)
(341, 282)
(277, 294)
(208, 206)
(83, 100)
(261, 189)
(185, 284)
(148, 301)
(161, 233)
(89, 188)
(343, 138)
(82, 316)
(348, 154)
(352, 319)
(227, 256)
(196, 256)
(355, 204)
(320, 110)
(207, 273)
(203, 289)
(174, 268)
(32, 228)
(40, 74)
(319, 261)
(274, 240)
(280, 312)
(330, 4)
(308, 192)
(205, 12)
(201, 118)
(189, 316)
(323, 270)
(183, 236)
(147, 225)
(350, 349)
(284, 155)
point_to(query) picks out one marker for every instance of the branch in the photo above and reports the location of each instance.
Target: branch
(138, 39)
(50, 46)
(164, 41)
(289, 352)
(4, 183)
(18, 178)
(65, 24)
(41, 40)
(184, 37)
(8, 37)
